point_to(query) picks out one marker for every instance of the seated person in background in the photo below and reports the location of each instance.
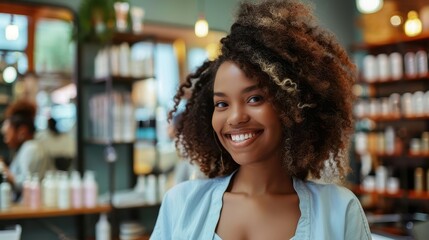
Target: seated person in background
(60, 147)
(28, 158)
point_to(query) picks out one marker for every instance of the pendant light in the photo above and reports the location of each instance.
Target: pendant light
(12, 30)
(201, 25)
(369, 6)
(10, 74)
(413, 25)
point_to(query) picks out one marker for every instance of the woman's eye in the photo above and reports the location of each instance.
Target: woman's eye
(255, 99)
(220, 104)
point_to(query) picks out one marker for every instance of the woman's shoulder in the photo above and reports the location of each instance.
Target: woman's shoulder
(329, 191)
(30, 145)
(195, 187)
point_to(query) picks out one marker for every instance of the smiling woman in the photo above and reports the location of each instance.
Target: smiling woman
(265, 118)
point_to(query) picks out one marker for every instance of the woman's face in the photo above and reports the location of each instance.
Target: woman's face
(10, 136)
(244, 120)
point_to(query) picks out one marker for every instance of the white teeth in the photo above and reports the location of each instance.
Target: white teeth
(242, 137)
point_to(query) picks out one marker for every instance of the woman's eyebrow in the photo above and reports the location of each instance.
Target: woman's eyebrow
(250, 88)
(246, 90)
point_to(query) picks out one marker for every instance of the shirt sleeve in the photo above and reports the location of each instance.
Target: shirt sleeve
(356, 223)
(163, 226)
(28, 161)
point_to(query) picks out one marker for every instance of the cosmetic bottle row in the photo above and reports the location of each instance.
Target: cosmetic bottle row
(406, 105)
(124, 61)
(153, 187)
(420, 146)
(120, 109)
(381, 182)
(395, 66)
(384, 182)
(380, 143)
(149, 190)
(387, 143)
(60, 190)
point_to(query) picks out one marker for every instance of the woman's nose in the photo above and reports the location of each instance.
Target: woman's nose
(238, 115)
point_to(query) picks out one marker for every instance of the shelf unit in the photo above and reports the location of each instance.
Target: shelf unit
(121, 151)
(403, 162)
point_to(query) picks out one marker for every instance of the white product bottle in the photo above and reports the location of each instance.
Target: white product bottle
(422, 62)
(124, 59)
(383, 67)
(76, 190)
(151, 194)
(49, 191)
(162, 186)
(380, 178)
(396, 65)
(410, 64)
(102, 228)
(63, 191)
(370, 72)
(389, 136)
(90, 189)
(5, 194)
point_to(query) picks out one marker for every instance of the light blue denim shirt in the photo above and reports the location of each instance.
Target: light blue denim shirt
(191, 210)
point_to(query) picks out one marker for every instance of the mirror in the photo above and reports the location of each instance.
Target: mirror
(37, 62)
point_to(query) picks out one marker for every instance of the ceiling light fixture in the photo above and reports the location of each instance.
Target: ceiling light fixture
(12, 30)
(413, 25)
(201, 25)
(10, 74)
(369, 6)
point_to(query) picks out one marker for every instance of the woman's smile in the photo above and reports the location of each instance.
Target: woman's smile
(243, 139)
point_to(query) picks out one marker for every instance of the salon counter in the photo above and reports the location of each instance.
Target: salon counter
(23, 212)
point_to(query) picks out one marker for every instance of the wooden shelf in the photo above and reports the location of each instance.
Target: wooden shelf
(421, 38)
(105, 142)
(145, 205)
(409, 194)
(394, 118)
(130, 37)
(424, 195)
(399, 155)
(403, 80)
(22, 212)
(358, 190)
(119, 79)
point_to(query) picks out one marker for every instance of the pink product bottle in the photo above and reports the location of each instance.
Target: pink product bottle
(34, 198)
(76, 190)
(90, 190)
(26, 192)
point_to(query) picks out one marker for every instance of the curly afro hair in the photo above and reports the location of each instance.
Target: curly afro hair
(301, 66)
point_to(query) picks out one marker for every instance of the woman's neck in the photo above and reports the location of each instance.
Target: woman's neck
(260, 180)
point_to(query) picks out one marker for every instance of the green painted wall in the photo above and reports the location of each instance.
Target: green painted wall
(337, 15)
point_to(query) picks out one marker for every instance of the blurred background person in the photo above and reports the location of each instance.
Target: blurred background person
(27, 154)
(60, 147)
